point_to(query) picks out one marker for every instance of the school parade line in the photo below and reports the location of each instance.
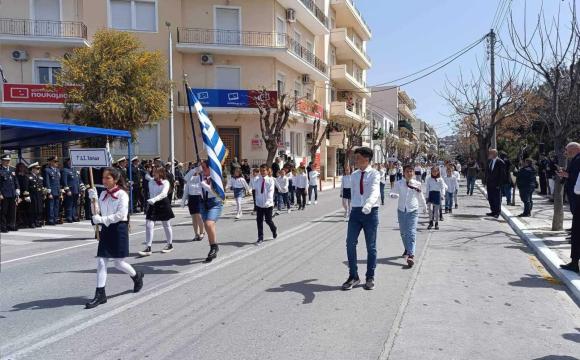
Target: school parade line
(473, 290)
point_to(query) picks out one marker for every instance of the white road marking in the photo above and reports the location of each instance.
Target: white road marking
(15, 242)
(37, 235)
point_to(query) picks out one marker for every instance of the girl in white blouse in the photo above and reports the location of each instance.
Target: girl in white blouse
(345, 192)
(159, 210)
(192, 197)
(239, 186)
(111, 211)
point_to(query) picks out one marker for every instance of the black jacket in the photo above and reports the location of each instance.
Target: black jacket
(497, 176)
(526, 178)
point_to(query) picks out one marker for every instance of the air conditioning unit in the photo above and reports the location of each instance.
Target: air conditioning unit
(19, 55)
(207, 59)
(290, 15)
(305, 79)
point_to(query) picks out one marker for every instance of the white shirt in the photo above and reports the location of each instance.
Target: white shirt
(300, 181)
(435, 185)
(493, 164)
(192, 182)
(452, 183)
(253, 179)
(313, 178)
(418, 169)
(282, 184)
(158, 192)
(239, 183)
(113, 210)
(265, 199)
(371, 188)
(206, 190)
(409, 199)
(346, 182)
(383, 172)
(458, 167)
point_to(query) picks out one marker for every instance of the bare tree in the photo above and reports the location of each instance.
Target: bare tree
(389, 145)
(352, 136)
(471, 103)
(272, 123)
(555, 57)
(317, 137)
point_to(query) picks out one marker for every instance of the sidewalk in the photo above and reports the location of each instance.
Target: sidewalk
(550, 246)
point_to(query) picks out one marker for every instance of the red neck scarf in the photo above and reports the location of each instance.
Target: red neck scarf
(111, 193)
(159, 182)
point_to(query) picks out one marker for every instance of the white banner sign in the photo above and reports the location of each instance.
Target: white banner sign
(89, 158)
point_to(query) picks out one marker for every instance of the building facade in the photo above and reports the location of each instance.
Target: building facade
(312, 51)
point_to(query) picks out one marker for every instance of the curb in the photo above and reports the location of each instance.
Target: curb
(542, 251)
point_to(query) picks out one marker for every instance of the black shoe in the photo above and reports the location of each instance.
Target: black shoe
(451, 211)
(351, 282)
(4, 230)
(441, 218)
(259, 241)
(275, 234)
(50, 223)
(145, 252)
(572, 266)
(212, 253)
(522, 215)
(100, 298)
(456, 206)
(428, 228)
(489, 214)
(138, 281)
(436, 226)
(446, 211)
(411, 261)
(167, 249)
(496, 216)
(369, 284)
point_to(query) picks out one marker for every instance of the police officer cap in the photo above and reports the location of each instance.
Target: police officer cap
(34, 165)
(157, 158)
(53, 158)
(134, 158)
(5, 157)
(122, 159)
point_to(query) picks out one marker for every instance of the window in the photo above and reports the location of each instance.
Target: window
(47, 10)
(46, 71)
(297, 90)
(227, 77)
(296, 144)
(281, 32)
(139, 15)
(280, 84)
(228, 24)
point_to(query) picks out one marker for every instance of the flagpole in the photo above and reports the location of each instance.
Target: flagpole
(191, 116)
(171, 117)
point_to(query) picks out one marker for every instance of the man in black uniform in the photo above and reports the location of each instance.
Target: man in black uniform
(137, 185)
(179, 179)
(73, 186)
(9, 192)
(37, 193)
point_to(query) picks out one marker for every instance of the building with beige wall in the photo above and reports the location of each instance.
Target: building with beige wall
(314, 51)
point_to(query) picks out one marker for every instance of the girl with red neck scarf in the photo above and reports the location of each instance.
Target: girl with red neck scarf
(112, 213)
(159, 210)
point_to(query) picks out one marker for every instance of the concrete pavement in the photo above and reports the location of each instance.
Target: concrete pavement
(283, 300)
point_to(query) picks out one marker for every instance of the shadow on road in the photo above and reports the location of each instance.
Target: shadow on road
(382, 261)
(556, 357)
(57, 303)
(306, 288)
(572, 336)
(535, 281)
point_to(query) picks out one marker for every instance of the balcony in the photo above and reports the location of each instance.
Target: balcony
(343, 113)
(43, 33)
(348, 14)
(310, 15)
(346, 49)
(405, 98)
(346, 81)
(406, 111)
(252, 43)
(404, 124)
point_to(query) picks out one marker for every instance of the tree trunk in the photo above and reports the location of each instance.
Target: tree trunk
(558, 217)
(272, 147)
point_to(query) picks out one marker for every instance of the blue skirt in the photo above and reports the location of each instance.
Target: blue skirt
(346, 193)
(114, 240)
(435, 197)
(239, 192)
(211, 209)
(194, 204)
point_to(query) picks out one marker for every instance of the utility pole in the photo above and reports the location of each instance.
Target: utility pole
(492, 63)
(171, 117)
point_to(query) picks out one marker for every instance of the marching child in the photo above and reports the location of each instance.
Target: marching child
(383, 172)
(192, 197)
(345, 192)
(301, 181)
(239, 186)
(264, 187)
(211, 210)
(282, 184)
(159, 210)
(253, 179)
(408, 191)
(111, 211)
(291, 189)
(452, 184)
(313, 185)
(435, 190)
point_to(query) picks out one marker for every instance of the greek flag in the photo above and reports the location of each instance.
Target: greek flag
(216, 151)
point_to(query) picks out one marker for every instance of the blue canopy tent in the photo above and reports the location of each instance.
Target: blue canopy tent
(16, 134)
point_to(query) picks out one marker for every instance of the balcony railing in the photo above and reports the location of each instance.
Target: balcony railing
(316, 11)
(43, 28)
(359, 14)
(249, 39)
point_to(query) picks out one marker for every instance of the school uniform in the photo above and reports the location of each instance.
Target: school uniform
(282, 185)
(418, 173)
(212, 205)
(192, 191)
(239, 186)
(313, 185)
(346, 187)
(392, 175)
(435, 189)
(264, 188)
(291, 188)
(160, 210)
(410, 198)
(252, 183)
(301, 182)
(383, 173)
(452, 185)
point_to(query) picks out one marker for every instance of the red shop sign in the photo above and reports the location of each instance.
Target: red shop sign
(34, 93)
(270, 96)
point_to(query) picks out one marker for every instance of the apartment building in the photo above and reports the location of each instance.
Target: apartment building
(228, 48)
(384, 134)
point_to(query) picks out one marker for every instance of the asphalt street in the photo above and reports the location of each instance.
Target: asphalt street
(476, 293)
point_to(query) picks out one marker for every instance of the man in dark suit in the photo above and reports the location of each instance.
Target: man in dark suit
(571, 175)
(496, 177)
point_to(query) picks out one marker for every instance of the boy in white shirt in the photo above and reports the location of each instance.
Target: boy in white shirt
(408, 191)
(264, 187)
(282, 184)
(364, 214)
(452, 185)
(313, 185)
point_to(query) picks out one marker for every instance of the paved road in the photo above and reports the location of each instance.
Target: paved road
(477, 294)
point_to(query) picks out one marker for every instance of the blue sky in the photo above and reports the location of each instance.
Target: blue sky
(411, 34)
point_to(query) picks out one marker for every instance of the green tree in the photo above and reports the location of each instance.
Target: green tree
(120, 84)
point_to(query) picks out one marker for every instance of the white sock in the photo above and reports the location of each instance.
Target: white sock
(101, 272)
(122, 265)
(149, 226)
(168, 231)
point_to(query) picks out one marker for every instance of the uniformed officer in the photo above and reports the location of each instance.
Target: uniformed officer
(23, 208)
(37, 194)
(72, 185)
(52, 183)
(122, 164)
(179, 179)
(9, 193)
(137, 194)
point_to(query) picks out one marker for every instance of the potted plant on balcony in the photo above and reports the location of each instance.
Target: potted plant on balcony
(379, 134)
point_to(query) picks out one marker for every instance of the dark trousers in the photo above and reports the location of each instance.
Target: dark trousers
(382, 193)
(37, 207)
(71, 207)
(494, 199)
(301, 197)
(470, 184)
(291, 190)
(8, 214)
(265, 214)
(575, 251)
(254, 199)
(53, 207)
(283, 200)
(315, 188)
(543, 183)
(526, 197)
(368, 223)
(137, 201)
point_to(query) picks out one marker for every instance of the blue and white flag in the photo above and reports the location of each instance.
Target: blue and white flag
(216, 151)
